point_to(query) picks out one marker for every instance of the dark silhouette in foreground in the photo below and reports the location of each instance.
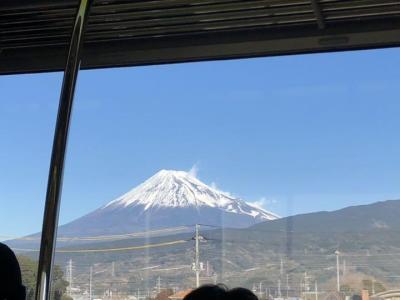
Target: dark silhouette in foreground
(11, 287)
(220, 292)
(241, 293)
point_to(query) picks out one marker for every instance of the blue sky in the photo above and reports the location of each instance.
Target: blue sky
(294, 133)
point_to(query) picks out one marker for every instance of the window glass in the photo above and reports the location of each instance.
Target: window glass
(28, 109)
(286, 166)
(279, 175)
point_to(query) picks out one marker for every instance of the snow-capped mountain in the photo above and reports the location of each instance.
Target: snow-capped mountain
(169, 198)
(180, 189)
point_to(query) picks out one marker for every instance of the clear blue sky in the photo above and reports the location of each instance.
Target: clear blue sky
(296, 133)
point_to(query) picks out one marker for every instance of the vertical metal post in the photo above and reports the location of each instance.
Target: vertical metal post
(318, 14)
(54, 184)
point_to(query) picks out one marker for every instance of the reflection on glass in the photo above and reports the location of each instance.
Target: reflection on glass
(278, 174)
(28, 109)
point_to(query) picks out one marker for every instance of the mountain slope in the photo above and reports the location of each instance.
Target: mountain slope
(304, 241)
(376, 216)
(366, 235)
(167, 199)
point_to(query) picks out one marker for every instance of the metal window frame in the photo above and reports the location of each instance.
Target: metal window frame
(34, 34)
(54, 184)
(171, 49)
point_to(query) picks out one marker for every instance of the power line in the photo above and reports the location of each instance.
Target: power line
(147, 246)
(105, 237)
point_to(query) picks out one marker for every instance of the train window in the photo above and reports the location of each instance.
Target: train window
(28, 110)
(275, 174)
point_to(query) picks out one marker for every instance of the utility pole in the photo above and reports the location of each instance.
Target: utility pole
(70, 276)
(260, 289)
(337, 271)
(301, 287)
(197, 266)
(281, 269)
(67, 276)
(90, 283)
(197, 259)
(287, 286)
(159, 284)
(306, 285)
(279, 289)
(316, 290)
(113, 269)
(344, 268)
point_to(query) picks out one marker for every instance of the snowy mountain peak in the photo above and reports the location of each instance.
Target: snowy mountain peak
(170, 188)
